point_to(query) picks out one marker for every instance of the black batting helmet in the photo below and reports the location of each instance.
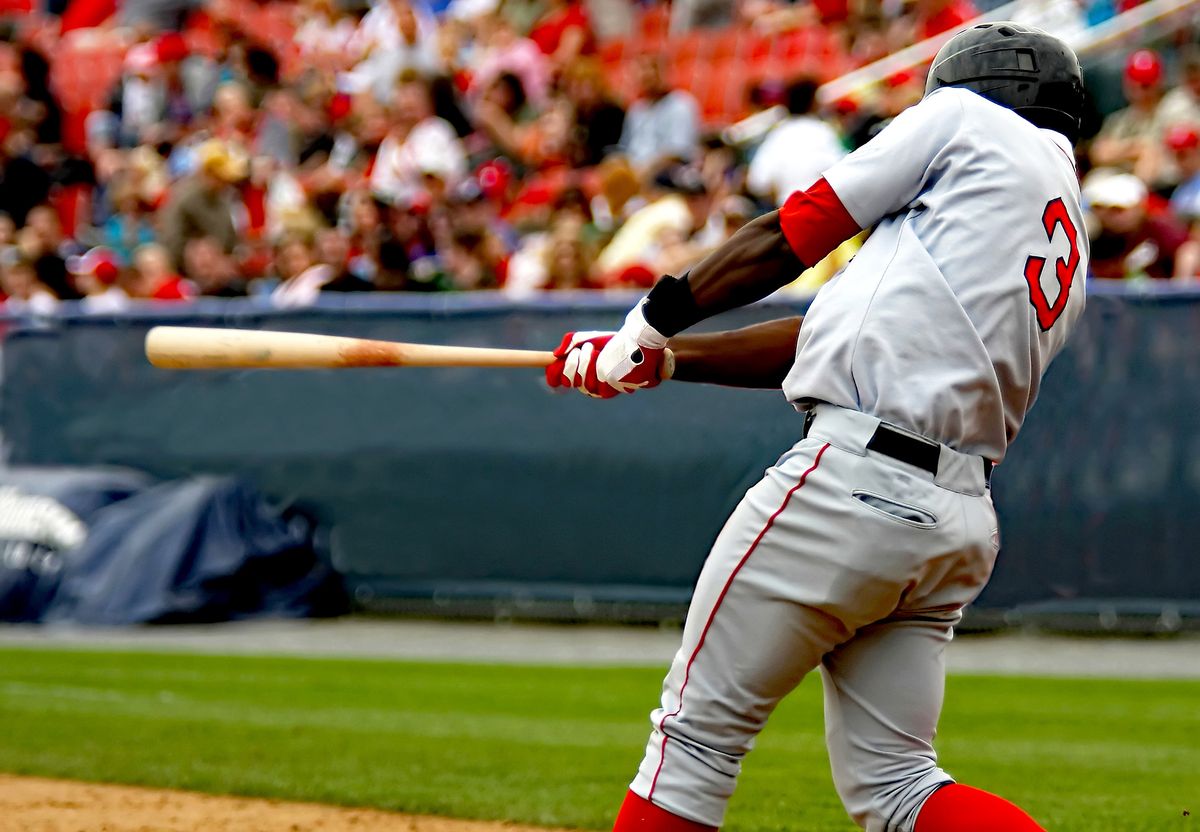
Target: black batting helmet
(1025, 69)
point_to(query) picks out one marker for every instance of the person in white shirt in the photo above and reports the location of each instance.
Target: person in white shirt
(407, 49)
(26, 295)
(796, 151)
(419, 144)
(663, 124)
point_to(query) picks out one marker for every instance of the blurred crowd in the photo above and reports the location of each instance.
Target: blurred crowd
(480, 145)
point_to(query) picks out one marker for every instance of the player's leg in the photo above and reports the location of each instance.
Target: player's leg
(768, 604)
(883, 695)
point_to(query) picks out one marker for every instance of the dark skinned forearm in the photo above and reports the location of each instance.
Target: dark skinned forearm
(750, 265)
(757, 356)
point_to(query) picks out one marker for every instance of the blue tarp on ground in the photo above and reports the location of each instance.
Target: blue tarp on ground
(111, 546)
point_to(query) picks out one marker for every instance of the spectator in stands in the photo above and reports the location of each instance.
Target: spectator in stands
(475, 258)
(506, 51)
(202, 204)
(378, 30)
(599, 119)
(324, 34)
(301, 276)
(1132, 138)
(1183, 140)
(129, 224)
(569, 258)
(154, 278)
(97, 277)
(24, 293)
(543, 141)
(234, 120)
(666, 224)
(1130, 242)
(662, 125)
(44, 245)
(8, 234)
(152, 100)
(564, 32)
(210, 270)
(936, 16)
(1181, 104)
(407, 52)
(796, 151)
(24, 183)
(421, 155)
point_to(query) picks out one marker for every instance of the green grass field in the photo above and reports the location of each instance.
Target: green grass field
(557, 746)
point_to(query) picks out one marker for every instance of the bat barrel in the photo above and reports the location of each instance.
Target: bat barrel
(173, 347)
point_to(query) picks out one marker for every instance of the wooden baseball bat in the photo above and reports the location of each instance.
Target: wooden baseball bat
(200, 348)
(197, 348)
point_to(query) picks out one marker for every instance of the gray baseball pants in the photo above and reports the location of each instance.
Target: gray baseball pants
(839, 558)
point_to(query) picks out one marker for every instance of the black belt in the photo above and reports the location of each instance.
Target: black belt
(921, 453)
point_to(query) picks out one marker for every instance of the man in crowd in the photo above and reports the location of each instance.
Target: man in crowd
(796, 151)
(663, 124)
(1130, 241)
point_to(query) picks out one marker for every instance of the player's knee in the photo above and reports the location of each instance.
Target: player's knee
(884, 799)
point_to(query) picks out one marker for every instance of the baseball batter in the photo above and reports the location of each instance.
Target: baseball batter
(913, 369)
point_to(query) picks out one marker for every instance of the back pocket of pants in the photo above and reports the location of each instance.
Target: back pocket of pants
(893, 510)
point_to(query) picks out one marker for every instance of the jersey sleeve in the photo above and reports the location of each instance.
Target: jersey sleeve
(890, 171)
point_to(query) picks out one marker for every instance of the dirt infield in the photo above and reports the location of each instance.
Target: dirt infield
(33, 804)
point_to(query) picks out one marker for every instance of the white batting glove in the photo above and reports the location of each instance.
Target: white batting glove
(632, 357)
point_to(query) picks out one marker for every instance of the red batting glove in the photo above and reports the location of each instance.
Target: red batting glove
(575, 364)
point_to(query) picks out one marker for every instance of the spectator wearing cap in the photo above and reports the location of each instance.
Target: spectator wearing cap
(139, 101)
(421, 153)
(662, 125)
(1183, 140)
(155, 99)
(1132, 138)
(97, 276)
(796, 151)
(1129, 242)
(202, 204)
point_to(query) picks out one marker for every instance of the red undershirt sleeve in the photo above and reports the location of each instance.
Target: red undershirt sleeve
(815, 222)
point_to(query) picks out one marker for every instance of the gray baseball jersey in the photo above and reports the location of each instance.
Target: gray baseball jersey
(969, 284)
(845, 556)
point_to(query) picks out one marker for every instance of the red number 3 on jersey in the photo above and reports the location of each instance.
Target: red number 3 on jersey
(1047, 313)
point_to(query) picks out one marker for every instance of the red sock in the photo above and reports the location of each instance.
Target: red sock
(640, 815)
(957, 808)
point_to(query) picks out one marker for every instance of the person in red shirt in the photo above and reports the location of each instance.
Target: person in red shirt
(564, 32)
(155, 279)
(937, 16)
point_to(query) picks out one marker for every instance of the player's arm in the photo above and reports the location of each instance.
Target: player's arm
(763, 256)
(757, 356)
(878, 179)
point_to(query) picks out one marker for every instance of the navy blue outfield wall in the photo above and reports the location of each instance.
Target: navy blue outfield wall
(454, 485)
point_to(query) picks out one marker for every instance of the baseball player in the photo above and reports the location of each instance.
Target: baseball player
(913, 369)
